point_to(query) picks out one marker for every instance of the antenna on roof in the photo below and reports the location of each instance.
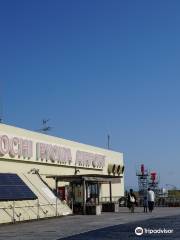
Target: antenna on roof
(1, 119)
(45, 126)
(108, 141)
(1, 106)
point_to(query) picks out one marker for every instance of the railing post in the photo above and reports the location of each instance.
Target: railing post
(37, 208)
(56, 207)
(13, 208)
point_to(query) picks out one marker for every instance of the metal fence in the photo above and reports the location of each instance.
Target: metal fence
(159, 202)
(21, 212)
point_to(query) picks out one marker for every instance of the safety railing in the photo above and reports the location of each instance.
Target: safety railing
(163, 202)
(15, 212)
(159, 201)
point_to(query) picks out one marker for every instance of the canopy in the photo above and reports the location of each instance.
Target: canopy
(100, 178)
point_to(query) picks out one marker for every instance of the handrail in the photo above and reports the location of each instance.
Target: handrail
(37, 189)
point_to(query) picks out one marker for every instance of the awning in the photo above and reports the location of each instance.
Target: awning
(100, 178)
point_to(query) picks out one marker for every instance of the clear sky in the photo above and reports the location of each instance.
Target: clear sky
(97, 67)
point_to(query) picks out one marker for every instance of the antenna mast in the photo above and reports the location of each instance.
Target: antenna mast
(45, 126)
(108, 141)
(1, 104)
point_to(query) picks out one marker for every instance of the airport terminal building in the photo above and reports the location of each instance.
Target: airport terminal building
(45, 176)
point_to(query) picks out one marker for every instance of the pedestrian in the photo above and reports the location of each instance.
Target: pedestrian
(145, 203)
(131, 200)
(151, 198)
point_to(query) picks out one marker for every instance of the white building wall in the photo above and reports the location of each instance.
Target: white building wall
(20, 165)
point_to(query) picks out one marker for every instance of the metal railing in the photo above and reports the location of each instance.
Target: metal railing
(23, 212)
(159, 201)
(162, 202)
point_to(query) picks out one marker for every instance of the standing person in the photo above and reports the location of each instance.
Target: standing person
(151, 198)
(131, 200)
(145, 203)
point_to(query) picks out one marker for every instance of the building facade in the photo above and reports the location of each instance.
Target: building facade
(24, 152)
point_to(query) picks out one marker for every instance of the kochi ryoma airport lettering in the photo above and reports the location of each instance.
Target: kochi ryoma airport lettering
(17, 147)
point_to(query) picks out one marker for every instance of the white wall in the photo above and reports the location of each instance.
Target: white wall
(7, 164)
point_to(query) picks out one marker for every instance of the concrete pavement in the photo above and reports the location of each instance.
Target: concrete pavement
(157, 228)
(62, 227)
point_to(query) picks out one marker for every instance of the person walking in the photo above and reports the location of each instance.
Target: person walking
(145, 203)
(151, 199)
(131, 200)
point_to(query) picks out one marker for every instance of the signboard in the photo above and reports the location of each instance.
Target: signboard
(24, 149)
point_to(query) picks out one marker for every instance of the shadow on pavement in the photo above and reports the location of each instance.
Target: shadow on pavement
(160, 226)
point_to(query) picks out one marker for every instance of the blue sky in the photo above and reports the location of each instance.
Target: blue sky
(93, 68)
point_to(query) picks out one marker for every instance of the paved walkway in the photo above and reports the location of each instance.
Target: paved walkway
(89, 227)
(152, 229)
